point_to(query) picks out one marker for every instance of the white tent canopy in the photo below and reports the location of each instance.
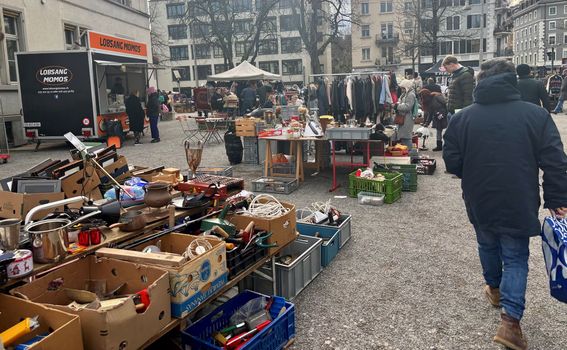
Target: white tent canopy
(245, 71)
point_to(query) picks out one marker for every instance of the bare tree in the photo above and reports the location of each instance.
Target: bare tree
(425, 24)
(319, 24)
(223, 23)
(158, 39)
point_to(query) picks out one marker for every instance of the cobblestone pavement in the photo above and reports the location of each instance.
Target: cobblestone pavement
(408, 279)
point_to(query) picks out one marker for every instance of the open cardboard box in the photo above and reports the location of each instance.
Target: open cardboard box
(16, 205)
(119, 170)
(120, 327)
(82, 182)
(64, 329)
(191, 282)
(282, 228)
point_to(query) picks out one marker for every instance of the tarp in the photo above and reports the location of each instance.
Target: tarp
(436, 69)
(245, 71)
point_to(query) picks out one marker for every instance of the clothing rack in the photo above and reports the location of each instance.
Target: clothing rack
(347, 74)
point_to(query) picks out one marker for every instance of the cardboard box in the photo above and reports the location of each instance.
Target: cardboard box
(194, 281)
(121, 327)
(64, 329)
(17, 205)
(173, 171)
(282, 228)
(119, 170)
(165, 178)
(80, 183)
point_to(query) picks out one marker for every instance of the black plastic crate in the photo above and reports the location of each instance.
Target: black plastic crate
(425, 166)
(238, 261)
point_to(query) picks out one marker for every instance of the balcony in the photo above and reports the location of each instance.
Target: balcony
(387, 39)
(503, 29)
(507, 52)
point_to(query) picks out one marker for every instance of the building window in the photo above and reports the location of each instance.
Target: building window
(177, 32)
(292, 67)
(219, 68)
(552, 40)
(203, 72)
(202, 51)
(217, 52)
(364, 8)
(552, 10)
(124, 2)
(454, 23)
(13, 42)
(474, 2)
(386, 6)
(241, 6)
(178, 53)
(445, 48)
(70, 36)
(175, 10)
(408, 6)
(268, 47)
(564, 53)
(240, 47)
(366, 54)
(270, 25)
(291, 45)
(475, 21)
(565, 40)
(181, 73)
(387, 30)
(289, 22)
(535, 14)
(408, 27)
(365, 31)
(200, 30)
(530, 16)
(552, 25)
(286, 4)
(242, 26)
(270, 66)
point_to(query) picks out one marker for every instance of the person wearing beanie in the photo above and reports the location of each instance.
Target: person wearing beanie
(532, 90)
(153, 108)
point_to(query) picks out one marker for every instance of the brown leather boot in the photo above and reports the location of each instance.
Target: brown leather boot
(493, 295)
(509, 334)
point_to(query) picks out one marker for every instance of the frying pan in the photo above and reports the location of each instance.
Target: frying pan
(131, 221)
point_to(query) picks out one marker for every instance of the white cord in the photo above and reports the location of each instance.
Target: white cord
(266, 206)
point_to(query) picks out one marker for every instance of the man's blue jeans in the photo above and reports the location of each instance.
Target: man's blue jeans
(504, 261)
(153, 126)
(559, 107)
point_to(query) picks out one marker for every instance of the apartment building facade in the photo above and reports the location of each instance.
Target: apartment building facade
(388, 36)
(188, 58)
(54, 25)
(540, 33)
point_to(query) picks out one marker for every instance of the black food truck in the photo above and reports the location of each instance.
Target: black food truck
(77, 91)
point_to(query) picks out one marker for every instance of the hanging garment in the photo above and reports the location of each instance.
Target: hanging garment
(348, 85)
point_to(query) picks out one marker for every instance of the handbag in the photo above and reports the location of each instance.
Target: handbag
(554, 245)
(399, 119)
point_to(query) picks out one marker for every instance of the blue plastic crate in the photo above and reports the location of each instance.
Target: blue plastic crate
(281, 330)
(331, 239)
(344, 227)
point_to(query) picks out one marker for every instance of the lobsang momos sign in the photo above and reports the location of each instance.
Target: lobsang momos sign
(104, 42)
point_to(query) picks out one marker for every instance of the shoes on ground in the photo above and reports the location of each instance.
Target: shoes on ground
(156, 140)
(510, 334)
(493, 295)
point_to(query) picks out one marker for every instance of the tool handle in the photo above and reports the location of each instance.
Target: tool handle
(221, 231)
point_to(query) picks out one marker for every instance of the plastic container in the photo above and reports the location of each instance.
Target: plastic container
(369, 198)
(293, 277)
(250, 155)
(237, 261)
(391, 187)
(284, 169)
(199, 336)
(344, 227)
(331, 240)
(425, 166)
(274, 185)
(348, 133)
(409, 172)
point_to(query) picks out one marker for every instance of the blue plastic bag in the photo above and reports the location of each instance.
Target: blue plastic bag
(136, 191)
(554, 244)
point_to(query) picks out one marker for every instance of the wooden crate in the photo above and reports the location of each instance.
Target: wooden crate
(246, 126)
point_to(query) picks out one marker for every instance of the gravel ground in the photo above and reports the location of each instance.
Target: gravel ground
(410, 276)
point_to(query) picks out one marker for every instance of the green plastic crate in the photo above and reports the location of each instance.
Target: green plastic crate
(391, 187)
(409, 172)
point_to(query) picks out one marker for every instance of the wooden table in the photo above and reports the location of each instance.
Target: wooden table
(296, 148)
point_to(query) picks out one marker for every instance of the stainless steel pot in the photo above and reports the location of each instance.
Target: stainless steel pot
(10, 234)
(49, 240)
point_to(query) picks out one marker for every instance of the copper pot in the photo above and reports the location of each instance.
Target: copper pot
(157, 195)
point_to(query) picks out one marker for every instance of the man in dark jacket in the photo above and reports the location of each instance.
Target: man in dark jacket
(153, 107)
(461, 86)
(248, 98)
(531, 90)
(497, 146)
(431, 86)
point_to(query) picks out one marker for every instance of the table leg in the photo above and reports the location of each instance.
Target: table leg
(299, 164)
(367, 153)
(334, 186)
(268, 160)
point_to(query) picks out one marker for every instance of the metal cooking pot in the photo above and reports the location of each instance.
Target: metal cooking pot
(49, 240)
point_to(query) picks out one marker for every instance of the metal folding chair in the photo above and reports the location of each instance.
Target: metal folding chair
(191, 129)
